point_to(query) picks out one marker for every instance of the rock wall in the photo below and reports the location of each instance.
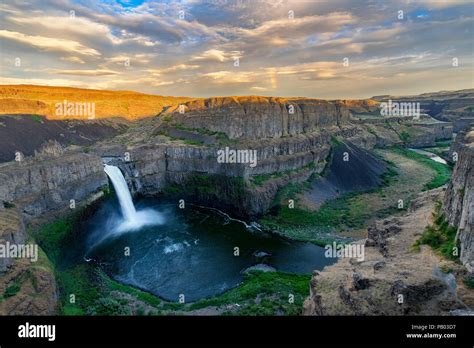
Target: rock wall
(12, 231)
(49, 184)
(459, 199)
(194, 173)
(260, 117)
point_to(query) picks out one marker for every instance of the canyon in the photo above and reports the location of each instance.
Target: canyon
(172, 154)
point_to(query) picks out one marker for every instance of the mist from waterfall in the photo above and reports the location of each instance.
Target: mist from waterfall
(130, 218)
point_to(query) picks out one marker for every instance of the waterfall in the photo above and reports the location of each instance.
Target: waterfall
(123, 193)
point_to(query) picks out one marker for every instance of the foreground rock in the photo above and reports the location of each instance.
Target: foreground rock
(393, 279)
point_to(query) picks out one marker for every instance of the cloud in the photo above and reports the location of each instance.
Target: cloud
(95, 72)
(172, 69)
(73, 59)
(278, 55)
(49, 43)
(67, 24)
(217, 55)
(299, 26)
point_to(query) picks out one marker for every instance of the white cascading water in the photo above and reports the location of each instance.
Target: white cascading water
(123, 193)
(132, 219)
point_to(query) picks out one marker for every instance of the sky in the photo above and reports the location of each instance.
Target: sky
(336, 49)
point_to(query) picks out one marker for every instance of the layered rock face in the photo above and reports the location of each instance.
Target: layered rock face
(195, 174)
(459, 199)
(49, 184)
(30, 189)
(260, 117)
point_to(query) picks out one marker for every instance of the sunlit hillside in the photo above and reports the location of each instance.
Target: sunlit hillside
(42, 100)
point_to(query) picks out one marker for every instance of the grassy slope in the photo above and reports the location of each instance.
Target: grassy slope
(354, 212)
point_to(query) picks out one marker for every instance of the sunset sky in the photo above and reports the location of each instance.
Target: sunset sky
(278, 55)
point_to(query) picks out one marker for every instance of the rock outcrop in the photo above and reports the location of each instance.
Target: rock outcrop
(459, 199)
(42, 185)
(392, 279)
(31, 189)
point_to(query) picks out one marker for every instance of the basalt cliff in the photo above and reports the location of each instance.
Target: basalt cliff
(173, 154)
(459, 197)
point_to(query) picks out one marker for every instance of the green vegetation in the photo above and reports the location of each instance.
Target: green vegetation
(192, 142)
(406, 175)
(259, 180)
(443, 172)
(209, 185)
(440, 236)
(37, 118)
(444, 143)
(12, 290)
(404, 136)
(221, 137)
(8, 205)
(272, 291)
(336, 214)
(53, 236)
(445, 268)
(371, 130)
(335, 142)
(19, 280)
(469, 282)
(184, 140)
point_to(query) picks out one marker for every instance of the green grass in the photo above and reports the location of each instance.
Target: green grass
(259, 180)
(443, 172)
(221, 137)
(12, 290)
(8, 205)
(404, 136)
(444, 143)
(273, 288)
(37, 118)
(469, 282)
(53, 236)
(209, 185)
(346, 212)
(440, 236)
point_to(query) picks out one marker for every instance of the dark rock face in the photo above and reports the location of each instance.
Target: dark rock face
(351, 169)
(459, 198)
(26, 133)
